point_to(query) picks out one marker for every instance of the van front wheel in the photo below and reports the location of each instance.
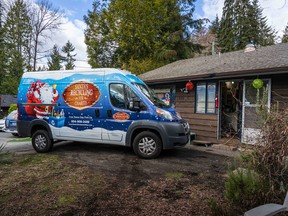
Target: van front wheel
(41, 141)
(147, 145)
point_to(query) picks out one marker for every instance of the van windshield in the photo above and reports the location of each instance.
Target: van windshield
(149, 93)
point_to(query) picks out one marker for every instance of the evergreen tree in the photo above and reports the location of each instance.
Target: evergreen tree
(9, 85)
(54, 62)
(243, 23)
(17, 34)
(214, 28)
(285, 35)
(69, 58)
(3, 56)
(265, 35)
(120, 33)
(227, 31)
(243, 30)
(101, 48)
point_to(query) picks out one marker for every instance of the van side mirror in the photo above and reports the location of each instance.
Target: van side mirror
(136, 105)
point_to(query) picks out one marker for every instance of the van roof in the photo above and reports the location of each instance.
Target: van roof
(60, 74)
(118, 70)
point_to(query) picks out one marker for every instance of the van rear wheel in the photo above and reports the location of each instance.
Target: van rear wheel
(147, 145)
(41, 141)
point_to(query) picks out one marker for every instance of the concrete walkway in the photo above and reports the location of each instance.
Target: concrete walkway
(219, 149)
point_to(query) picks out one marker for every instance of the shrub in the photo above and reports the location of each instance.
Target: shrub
(242, 187)
(262, 176)
(12, 107)
(216, 208)
(271, 152)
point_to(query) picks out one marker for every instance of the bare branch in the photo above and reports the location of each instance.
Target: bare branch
(46, 19)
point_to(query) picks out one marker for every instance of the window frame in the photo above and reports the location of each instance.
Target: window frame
(125, 92)
(206, 100)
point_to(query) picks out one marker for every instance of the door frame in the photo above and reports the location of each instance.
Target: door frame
(219, 93)
(253, 105)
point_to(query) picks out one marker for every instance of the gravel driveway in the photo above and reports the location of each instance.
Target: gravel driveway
(180, 182)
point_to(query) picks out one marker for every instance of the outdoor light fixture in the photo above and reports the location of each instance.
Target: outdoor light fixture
(229, 84)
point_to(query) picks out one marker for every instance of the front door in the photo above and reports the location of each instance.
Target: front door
(255, 103)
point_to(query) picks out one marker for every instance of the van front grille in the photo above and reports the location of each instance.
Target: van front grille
(186, 127)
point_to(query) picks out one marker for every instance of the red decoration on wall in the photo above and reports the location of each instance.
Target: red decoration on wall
(216, 101)
(189, 86)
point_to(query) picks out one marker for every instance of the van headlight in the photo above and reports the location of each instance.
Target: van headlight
(178, 115)
(164, 114)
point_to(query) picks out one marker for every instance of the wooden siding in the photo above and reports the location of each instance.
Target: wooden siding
(279, 90)
(204, 125)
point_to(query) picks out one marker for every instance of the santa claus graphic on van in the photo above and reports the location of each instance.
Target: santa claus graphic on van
(41, 93)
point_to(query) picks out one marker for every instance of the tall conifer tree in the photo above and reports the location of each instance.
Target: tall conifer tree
(265, 34)
(69, 59)
(243, 23)
(17, 33)
(227, 32)
(3, 57)
(215, 26)
(55, 59)
(285, 35)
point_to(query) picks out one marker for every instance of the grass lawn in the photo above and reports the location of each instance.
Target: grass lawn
(26, 139)
(44, 184)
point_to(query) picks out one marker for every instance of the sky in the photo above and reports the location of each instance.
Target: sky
(73, 28)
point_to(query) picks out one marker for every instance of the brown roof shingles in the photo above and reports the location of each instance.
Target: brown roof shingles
(264, 58)
(7, 100)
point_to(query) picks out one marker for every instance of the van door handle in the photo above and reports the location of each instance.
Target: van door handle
(97, 112)
(109, 113)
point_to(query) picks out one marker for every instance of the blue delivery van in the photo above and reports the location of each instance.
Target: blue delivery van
(108, 106)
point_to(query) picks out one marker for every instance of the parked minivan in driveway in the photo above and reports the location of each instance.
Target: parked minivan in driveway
(105, 105)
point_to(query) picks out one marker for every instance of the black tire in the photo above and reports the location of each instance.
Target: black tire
(41, 141)
(147, 145)
(15, 134)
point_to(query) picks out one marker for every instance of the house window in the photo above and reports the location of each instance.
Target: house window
(167, 95)
(205, 97)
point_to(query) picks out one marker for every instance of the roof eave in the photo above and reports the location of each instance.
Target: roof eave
(222, 75)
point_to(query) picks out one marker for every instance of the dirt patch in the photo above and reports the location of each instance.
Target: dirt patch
(157, 197)
(179, 182)
(87, 179)
(45, 184)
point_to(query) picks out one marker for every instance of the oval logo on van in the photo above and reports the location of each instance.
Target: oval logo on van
(121, 116)
(81, 95)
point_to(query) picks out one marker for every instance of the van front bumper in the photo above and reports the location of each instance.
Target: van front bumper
(177, 134)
